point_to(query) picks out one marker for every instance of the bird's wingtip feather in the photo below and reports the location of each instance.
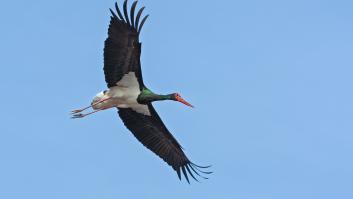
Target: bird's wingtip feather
(185, 174)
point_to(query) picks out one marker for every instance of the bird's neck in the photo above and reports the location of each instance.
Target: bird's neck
(147, 96)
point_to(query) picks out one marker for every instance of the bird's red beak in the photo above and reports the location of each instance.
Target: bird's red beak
(180, 99)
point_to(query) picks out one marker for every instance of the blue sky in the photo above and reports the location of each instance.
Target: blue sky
(271, 82)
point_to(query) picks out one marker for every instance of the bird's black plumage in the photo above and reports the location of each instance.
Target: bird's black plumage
(154, 135)
(122, 48)
(122, 55)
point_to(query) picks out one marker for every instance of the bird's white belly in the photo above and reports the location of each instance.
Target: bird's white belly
(124, 95)
(119, 97)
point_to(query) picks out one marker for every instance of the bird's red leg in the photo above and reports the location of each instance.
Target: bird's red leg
(80, 115)
(83, 109)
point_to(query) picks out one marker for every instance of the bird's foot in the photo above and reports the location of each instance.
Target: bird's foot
(76, 111)
(81, 115)
(78, 115)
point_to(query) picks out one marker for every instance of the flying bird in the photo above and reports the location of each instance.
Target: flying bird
(127, 92)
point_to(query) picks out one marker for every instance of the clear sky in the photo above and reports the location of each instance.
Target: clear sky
(271, 82)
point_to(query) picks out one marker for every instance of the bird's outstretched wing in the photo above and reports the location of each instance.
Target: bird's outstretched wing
(122, 47)
(153, 134)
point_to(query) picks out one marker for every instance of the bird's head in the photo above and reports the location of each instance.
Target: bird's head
(177, 97)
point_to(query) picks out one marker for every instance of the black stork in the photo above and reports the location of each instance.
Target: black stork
(127, 92)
